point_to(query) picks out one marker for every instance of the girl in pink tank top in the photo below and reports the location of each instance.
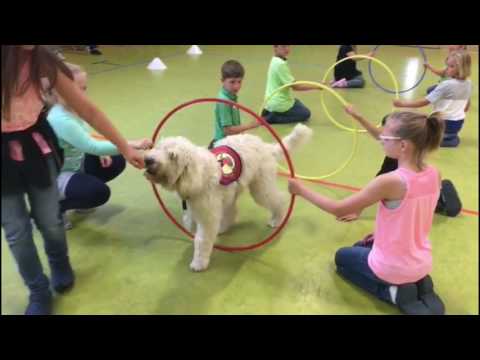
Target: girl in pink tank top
(31, 159)
(395, 266)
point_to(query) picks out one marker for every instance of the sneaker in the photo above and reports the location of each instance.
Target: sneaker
(340, 83)
(343, 83)
(40, 304)
(62, 275)
(94, 51)
(408, 303)
(366, 242)
(66, 223)
(429, 297)
(85, 211)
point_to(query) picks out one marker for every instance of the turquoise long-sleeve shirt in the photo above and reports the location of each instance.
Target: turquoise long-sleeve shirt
(74, 137)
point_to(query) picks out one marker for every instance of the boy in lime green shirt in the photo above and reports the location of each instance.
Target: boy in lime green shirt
(283, 108)
(227, 118)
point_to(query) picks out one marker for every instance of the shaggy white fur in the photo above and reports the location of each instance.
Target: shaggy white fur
(194, 174)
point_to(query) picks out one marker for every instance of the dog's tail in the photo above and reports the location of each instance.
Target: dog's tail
(300, 135)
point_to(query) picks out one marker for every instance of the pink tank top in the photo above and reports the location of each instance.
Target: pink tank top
(401, 252)
(24, 109)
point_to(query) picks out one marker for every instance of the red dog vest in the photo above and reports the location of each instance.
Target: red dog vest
(230, 163)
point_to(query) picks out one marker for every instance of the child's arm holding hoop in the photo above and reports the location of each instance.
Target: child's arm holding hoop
(372, 130)
(439, 72)
(385, 187)
(411, 103)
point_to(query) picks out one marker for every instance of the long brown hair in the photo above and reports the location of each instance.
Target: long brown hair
(43, 64)
(424, 131)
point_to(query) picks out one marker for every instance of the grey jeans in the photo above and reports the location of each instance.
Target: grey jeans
(45, 210)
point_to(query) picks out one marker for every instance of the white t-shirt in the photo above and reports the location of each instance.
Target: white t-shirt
(451, 97)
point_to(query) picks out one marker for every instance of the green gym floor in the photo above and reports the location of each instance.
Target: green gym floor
(129, 259)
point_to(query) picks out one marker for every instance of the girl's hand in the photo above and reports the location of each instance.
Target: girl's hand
(105, 161)
(371, 54)
(254, 124)
(141, 144)
(398, 103)
(295, 187)
(134, 157)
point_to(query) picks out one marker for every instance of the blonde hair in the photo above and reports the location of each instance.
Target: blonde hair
(424, 131)
(53, 97)
(463, 63)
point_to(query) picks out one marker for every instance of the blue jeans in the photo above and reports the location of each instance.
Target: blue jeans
(450, 136)
(45, 210)
(297, 113)
(87, 189)
(352, 264)
(356, 82)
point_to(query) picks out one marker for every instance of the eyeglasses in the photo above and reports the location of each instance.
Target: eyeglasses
(386, 137)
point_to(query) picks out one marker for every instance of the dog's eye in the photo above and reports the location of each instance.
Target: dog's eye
(172, 156)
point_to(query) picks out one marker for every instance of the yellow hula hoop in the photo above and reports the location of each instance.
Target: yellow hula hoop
(329, 70)
(342, 100)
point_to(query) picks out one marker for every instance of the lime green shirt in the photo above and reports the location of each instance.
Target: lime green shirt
(225, 115)
(278, 75)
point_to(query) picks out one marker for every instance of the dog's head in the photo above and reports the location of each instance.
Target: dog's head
(171, 164)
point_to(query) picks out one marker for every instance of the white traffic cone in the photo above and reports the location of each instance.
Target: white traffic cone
(156, 64)
(194, 50)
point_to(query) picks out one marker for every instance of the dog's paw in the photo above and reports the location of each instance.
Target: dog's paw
(273, 223)
(199, 265)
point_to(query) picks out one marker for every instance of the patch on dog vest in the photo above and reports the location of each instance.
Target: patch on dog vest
(230, 164)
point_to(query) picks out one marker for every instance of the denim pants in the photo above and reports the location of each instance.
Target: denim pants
(297, 113)
(352, 264)
(450, 136)
(356, 82)
(88, 189)
(45, 210)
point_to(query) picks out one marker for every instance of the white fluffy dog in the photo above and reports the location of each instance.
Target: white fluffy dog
(194, 173)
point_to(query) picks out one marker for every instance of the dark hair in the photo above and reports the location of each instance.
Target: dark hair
(425, 132)
(232, 69)
(43, 64)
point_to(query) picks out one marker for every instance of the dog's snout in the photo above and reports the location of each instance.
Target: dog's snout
(149, 161)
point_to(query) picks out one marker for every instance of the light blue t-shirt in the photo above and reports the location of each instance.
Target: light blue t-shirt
(75, 139)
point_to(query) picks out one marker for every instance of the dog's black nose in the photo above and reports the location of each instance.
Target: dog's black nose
(149, 161)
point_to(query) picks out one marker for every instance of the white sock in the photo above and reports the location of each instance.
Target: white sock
(393, 293)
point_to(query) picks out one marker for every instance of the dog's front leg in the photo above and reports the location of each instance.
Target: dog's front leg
(203, 244)
(206, 212)
(187, 220)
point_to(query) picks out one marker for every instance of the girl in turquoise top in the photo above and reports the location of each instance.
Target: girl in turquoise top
(89, 162)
